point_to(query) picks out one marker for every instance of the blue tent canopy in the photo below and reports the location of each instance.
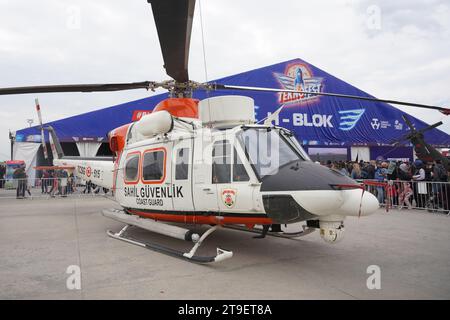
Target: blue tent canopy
(321, 121)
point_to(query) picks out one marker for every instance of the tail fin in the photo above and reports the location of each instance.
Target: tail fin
(57, 150)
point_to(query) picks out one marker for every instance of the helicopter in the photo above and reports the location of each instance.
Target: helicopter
(423, 150)
(209, 162)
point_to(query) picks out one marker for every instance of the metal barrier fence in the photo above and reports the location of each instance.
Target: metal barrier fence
(433, 196)
(425, 195)
(49, 188)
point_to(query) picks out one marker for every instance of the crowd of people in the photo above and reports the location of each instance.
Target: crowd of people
(51, 182)
(57, 182)
(60, 182)
(400, 183)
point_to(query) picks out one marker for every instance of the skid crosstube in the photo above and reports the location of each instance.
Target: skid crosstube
(284, 235)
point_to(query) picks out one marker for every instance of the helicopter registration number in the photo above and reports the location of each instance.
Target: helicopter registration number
(89, 172)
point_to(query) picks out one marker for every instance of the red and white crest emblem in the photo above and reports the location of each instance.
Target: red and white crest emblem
(88, 171)
(229, 197)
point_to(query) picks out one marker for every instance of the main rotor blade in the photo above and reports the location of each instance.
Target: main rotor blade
(403, 138)
(173, 20)
(431, 127)
(77, 88)
(445, 111)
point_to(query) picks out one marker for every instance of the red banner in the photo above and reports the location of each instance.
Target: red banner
(138, 114)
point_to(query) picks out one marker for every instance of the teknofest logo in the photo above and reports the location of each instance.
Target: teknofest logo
(298, 77)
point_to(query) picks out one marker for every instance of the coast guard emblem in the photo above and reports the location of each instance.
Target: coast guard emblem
(229, 197)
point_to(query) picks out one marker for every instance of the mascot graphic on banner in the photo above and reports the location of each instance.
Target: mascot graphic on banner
(298, 77)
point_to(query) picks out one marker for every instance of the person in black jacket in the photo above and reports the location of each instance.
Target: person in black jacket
(370, 169)
(439, 175)
(403, 173)
(2, 175)
(20, 175)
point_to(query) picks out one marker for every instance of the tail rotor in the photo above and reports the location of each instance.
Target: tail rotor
(44, 146)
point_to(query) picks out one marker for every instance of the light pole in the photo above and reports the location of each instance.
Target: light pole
(30, 122)
(12, 138)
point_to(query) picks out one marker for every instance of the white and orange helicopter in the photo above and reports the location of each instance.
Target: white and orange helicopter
(209, 162)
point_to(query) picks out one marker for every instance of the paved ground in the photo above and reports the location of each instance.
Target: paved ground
(40, 238)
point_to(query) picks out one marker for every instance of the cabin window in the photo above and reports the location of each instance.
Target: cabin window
(239, 172)
(153, 166)
(182, 164)
(221, 162)
(132, 168)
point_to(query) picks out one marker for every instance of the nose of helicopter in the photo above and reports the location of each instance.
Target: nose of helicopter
(358, 202)
(306, 189)
(350, 202)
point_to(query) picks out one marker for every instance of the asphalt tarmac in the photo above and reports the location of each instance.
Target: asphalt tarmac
(41, 238)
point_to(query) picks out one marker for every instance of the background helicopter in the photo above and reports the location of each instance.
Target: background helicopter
(299, 190)
(423, 150)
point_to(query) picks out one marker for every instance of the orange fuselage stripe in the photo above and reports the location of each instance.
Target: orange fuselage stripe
(193, 219)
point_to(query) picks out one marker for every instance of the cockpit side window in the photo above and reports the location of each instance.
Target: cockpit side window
(267, 150)
(291, 138)
(221, 162)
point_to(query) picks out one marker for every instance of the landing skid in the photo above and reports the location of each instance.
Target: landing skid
(190, 256)
(285, 235)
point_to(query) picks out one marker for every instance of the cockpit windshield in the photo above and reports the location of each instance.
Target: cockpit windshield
(268, 149)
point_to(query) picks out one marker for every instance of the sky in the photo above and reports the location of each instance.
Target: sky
(396, 50)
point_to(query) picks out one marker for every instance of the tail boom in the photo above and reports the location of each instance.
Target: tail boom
(97, 172)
